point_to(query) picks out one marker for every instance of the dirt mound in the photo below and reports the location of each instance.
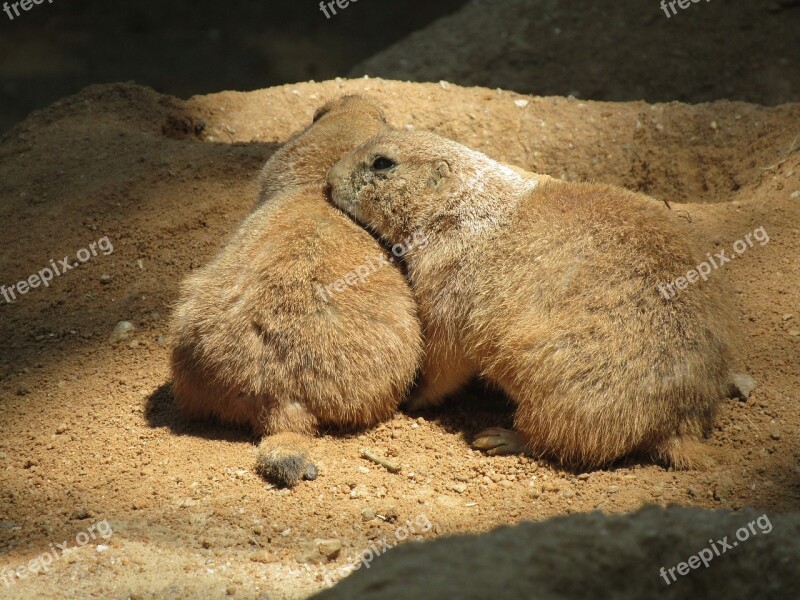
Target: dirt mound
(623, 50)
(90, 432)
(592, 556)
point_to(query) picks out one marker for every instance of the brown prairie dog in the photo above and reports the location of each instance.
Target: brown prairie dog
(550, 290)
(255, 343)
(306, 157)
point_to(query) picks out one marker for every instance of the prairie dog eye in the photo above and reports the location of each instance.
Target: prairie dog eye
(381, 163)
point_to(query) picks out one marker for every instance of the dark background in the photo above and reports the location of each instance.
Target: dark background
(618, 50)
(186, 48)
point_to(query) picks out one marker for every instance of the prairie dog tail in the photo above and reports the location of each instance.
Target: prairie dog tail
(283, 459)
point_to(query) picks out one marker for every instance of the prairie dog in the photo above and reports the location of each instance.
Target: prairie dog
(255, 341)
(549, 289)
(337, 127)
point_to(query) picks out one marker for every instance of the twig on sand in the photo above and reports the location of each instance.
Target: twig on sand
(390, 466)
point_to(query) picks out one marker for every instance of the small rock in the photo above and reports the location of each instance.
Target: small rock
(693, 491)
(230, 590)
(794, 332)
(363, 470)
(82, 514)
(105, 278)
(368, 514)
(459, 487)
(744, 385)
(795, 195)
(775, 434)
(521, 103)
(122, 331)
(714, 125)
(583, 476)
(320, 551)
(260, 557)
(134, 344)
(3, 455)
(613, 489)
(206, 544)
(61, 429)
(787, 316)
(330, 549)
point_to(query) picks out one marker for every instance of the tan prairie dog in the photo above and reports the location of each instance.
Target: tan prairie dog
(550, 290)
(256, 339)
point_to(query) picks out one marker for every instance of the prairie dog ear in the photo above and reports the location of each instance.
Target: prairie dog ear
(441, 173)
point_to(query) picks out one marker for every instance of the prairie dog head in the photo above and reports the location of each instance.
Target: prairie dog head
(337, 127)
(352, 103)
(403, 182)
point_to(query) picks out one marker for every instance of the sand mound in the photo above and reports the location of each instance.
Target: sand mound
(591, 556)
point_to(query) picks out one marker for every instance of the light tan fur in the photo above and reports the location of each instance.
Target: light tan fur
(254, 342)
(549, 289)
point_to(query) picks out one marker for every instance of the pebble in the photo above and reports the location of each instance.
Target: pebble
(105, 278)
(459, 487)
(745, 384)
(583, 476)
(795, 195)
(613, 489)
(775, 434)
(61, 429)
(122, 331)
(368, 514)
(82, 514)
(794, 332)
(521, 103)
(320, 551)
(787, 316)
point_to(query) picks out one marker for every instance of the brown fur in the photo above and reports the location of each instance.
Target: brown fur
(254, 343)
(550, 291)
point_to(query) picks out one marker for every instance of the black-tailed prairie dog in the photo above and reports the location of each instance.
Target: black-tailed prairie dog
(270, 335)
(549, 289)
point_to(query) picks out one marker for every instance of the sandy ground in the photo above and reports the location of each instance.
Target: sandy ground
(89, 430)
